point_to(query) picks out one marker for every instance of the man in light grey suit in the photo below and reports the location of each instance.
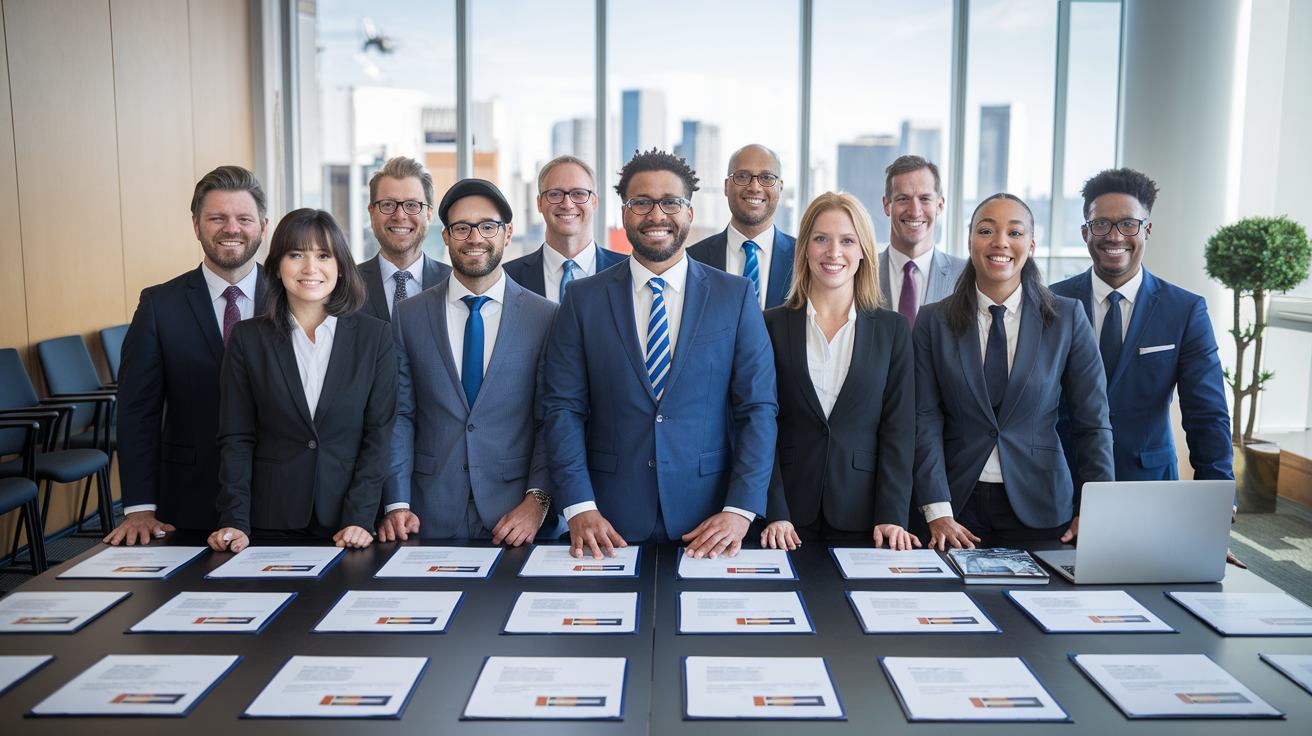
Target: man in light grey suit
(912, 272)
(468, 454)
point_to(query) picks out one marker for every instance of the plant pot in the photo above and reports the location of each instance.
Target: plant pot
(1257, 471)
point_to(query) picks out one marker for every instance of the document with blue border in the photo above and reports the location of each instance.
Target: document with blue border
(441, 562)
(16, 668)
(1248, 614)
(278, 562)
(970, 689)
(906, 612)
(755, 612)
(863, 563)
(54, 611)
(1172, 686)
(555, 561)
(1087, 611)
(214, 613)
(339, 687)
(748, 564)
(134, 562)
(773, 688)
(139, 685)
(392, 612)
(573, 613)
(549, 688)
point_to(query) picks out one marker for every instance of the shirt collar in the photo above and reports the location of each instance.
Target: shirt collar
(674, 277)
(1130, 291)
(386, 269)
(457, 291)
(217, 284)
(555, 262)
(763, 240)
(897, 260)
(329, 324)
(1012, 302)
(851, 312)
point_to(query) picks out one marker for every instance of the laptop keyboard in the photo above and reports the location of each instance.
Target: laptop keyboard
(1069, 568)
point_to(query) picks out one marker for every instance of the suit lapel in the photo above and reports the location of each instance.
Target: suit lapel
(1084, 292)
(512, 309)
(972, 366)
(620, 293)
(695, 292)
(343, 345)
(198, 296)
(432, 273)
(1027, 352)
(442, 337)
(863, 348)
(885, 298)
(800, 365)
(534, 280)
(377, 294)
(716, 258)
(781, 271)
(936, 279)
(286, 357)
(1145, 303)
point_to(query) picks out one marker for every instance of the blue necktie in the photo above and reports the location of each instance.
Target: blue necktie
(752, 268)
(471, 366)
(570, 265)
(995, 358)
(658, 339)
(401, 291)
(1109, 342)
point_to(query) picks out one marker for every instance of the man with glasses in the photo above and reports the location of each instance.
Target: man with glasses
(567, 200)
(400, 208)
(468, 457)
(751, 245)
(912, 272)
(660, 395)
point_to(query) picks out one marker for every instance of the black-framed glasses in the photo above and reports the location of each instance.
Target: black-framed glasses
(744, 179)
(410, 206)
(577, 196)
(486, 228)
(669, 205)
(1129, 227)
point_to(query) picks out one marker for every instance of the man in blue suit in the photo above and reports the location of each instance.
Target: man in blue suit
(468, 458)
(752, 246)
(660, 399)
(567, 199)
(912, 272)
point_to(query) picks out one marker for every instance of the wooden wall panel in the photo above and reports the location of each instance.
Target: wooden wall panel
(13, 301)
(221, 102)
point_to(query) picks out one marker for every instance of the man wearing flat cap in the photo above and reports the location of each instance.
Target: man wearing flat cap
(468, 455)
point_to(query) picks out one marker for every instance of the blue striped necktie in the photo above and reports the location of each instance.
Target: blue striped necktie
(658, 339)
(567, 277)
(752, 268)
(471, 363)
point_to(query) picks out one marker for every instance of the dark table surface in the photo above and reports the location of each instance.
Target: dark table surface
(654, 700)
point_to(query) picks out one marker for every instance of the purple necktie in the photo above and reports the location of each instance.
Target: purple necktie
(231, 315)
(907, 302)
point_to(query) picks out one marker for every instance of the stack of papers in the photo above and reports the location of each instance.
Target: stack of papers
(970, 689)
(549, 688)
(702, 612)
(759, 688)
(139, 685)
(884, 612)
(555, 561)
(1172, 686)
(858, 563)
(1087, 611)
(1248, 614)
(749, 564)
(339, 687)
(573, 613)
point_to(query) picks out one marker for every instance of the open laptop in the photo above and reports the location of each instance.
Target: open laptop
(1166, 531)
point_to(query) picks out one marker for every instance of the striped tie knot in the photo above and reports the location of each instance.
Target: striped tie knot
(658, 339)
(752, 266)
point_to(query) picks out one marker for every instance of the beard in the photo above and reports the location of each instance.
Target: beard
(417, 240)
(478, 272)
(230, 260)
(657, 254)
(751, 220)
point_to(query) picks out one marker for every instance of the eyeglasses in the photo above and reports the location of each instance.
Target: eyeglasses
(744, 179)
(577, 196)
(486, 228)
(1129, 227)
(669, 205)
(410, 206)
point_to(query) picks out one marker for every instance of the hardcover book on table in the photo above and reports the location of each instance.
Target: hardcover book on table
(997, 567)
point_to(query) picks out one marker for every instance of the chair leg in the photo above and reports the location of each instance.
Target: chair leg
(106, 505)
(82, 512)
(45, 510)
(36, 541)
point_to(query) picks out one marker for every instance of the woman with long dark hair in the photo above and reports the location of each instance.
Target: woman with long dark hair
(991, 362)
(308, 398)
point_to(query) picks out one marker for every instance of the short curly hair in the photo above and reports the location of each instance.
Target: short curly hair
(655, 160)
(1120, 181)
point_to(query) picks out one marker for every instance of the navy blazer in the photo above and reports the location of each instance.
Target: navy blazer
(1169, 346)
(527, 269)
(172, 354)
(956, 429)
(709, 442)
(376, 307)
(711, 251)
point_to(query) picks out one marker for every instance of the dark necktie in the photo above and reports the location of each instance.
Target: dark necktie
(401, 277)
(231, 315)
(995, 358)
(752, 266)
(471, 366)
(1109, 342)
(909, 300)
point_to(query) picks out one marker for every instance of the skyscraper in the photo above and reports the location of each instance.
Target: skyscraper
(1002, 131)
(701, 148)
(643, 125)
(922, 139)
(861, 166)
(575, 137)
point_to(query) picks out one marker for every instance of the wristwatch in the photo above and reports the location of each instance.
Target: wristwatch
(543, 500)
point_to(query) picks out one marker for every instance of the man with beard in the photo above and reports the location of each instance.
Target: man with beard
(168, 392)
(660, 398)
(752, 246)
(400, 208)
(468, 458)
(912, 272)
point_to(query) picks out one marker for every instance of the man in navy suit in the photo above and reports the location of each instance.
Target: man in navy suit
(912, 272)
(752, 246)
(168, 392)
(567, 199)
(400, 209)
(660, 398)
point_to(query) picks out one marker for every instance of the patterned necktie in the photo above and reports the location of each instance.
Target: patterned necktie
(995, 358)
(231, 315)
(401, 277)
(909, 301)
(1109, 342)
(471, 364)
(568, 276)
(658, 339)
(752, 268)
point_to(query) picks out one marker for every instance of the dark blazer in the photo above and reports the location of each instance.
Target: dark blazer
(527, 269)
(1172, 325)
(956, 429)
(376, 307)
(940, 282)
(711, 251)
(278, 468)
(172, 354)
(709, 441)
(856, 464)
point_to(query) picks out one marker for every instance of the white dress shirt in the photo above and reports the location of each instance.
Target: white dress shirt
(553, 268)
(829, 360)
(992, 472)
(1102, 305)
(413, 286)
(457, 314)
(735, 258)
(312, 357)
(897, 261)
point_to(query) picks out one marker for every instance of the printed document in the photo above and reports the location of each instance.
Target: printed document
(902, 612)
(339, 687)
(1086, 611)
(278, 562)
(573, 613)
(548, 688)
(857, 563)
(441, 562)
(1172, 686)
(759, 688)
(970, 689)
(215, 613)
(139, 685)
(703, 612)
(392, 612)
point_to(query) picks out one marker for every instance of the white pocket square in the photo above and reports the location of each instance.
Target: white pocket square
(1155, 349)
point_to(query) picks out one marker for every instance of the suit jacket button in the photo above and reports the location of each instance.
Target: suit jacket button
(993, 433)
(465, 466)
(659, 418)
(313, 444)
(824, 431)
(651, 463)
(470, 428)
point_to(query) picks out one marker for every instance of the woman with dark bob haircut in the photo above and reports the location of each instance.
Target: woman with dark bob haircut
(308, 398)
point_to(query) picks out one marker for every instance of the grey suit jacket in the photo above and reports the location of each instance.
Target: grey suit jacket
(939, 284)
(376, 307)
(443, 450)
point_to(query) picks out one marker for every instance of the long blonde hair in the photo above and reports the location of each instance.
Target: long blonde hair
(866, 281)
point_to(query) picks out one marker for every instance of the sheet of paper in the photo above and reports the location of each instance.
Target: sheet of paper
(703, 612)
(139, 685)
(759, 688)
(1086, 611)
(555, 561)
(214, 613)
(1297, 667)
(54, 612)
(1249, 614)
(749, 564)
(858, 563)
(392, 612)
(902, 612)
(1172, 686)
(573, 613)
(339, 687)
(970, 689)
(134, 562)
(278, 562)
(441, 562)
(548, 688)
(15, 669)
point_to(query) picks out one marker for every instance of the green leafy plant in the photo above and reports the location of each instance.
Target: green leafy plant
(1254, 257)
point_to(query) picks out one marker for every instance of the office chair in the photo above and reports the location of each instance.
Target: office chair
(111, 338)
(20, 492)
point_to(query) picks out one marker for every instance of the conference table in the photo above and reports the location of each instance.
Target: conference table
(653, 690)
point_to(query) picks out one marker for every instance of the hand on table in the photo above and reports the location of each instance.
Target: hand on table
(898, 538)
(138, 528)
(229, 539)
(780, 535)
(945, 530)
(1073, 532)
(353, 536)
(398, 524)
(520, 525)
(589, 530)
(721, 534)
